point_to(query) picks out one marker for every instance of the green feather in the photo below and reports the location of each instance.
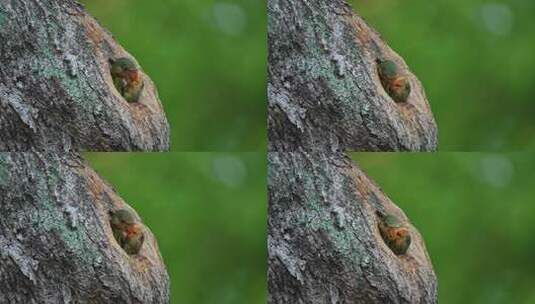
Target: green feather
(392, 221)
(388, 69)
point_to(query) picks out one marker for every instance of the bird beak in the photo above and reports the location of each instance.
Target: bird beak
(133, 229)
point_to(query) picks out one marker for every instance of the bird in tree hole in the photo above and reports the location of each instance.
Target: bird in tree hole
(127, 230)
(127, 78)
(395, 233)
(394, 82)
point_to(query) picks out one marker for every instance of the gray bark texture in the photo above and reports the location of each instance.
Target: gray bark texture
(56, 89)
(324, 245)
(56, 243)
(324, 92)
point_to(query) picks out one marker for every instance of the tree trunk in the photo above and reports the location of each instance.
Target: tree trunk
(56, 244)
(56, 89)
(324, 244)
(323, 88)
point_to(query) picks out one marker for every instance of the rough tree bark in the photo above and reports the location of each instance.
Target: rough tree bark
(324, 245)
(56, 244)
(323, 89)
(56, 88)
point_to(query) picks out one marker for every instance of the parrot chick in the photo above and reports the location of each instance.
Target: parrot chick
(395, 234)
(127, 231)
(127, 78)
(394, 83)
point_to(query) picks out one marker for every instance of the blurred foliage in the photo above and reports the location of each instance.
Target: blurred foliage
(475, 60)
(476, 214)
(208, 213)
(208, 210)
(208, 60)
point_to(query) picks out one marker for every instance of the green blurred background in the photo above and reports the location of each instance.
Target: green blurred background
(208, 210)
(208, 60)
(209, 214)
(476, 214)
(475, 59)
